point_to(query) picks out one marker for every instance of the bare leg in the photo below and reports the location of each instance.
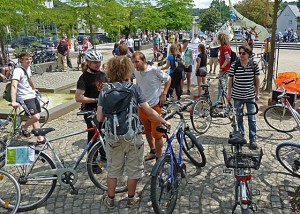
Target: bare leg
(131, 184)
(150, 141)
(199, 85)
(159, 145)
(188, 80)
(111, 186)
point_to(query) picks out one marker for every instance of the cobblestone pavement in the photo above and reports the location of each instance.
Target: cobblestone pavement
(211, 190)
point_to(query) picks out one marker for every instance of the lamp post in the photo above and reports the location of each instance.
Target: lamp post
(220, 1)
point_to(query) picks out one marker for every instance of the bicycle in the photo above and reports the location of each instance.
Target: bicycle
(10, 193)
(263, 66)
(281, 116)
(11, 127)
(241, 163)
(168, 170)
(204, 110)
(79, 58)
(38, 180)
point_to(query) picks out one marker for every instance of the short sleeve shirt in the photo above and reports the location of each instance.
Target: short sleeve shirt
(171, 59)
(225, 49)
(24, 91)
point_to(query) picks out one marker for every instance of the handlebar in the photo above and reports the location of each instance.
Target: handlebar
(287, 82)
(89, 113)
(178, 112)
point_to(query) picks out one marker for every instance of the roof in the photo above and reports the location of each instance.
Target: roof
(295, 10)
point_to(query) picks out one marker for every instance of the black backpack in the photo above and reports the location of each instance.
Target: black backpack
(233, 57)
(120, 111)
(178, 63)
(62, 48)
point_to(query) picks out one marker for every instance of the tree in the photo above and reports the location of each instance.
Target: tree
(222, 8)
(208, 19)
(255, 10)
(272, 54)
(16, 15)
(175, 14)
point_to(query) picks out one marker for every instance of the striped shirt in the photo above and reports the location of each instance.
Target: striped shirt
(243, 82)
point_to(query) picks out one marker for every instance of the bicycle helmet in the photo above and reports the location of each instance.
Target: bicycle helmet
(93, 56)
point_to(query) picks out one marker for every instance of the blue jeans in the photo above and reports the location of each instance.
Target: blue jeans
(251, 118)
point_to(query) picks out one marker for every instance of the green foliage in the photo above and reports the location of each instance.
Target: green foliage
(176, 14)
(222, 8)
(208, 19)
(255, 10)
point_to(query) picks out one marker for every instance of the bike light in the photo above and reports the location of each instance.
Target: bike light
(1, 177)
(244, 201)
(6, 204)
(243, 178)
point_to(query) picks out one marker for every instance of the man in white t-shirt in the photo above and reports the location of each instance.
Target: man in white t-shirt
(149, 79)
(195, 39)
(129, 42)
(23, 93)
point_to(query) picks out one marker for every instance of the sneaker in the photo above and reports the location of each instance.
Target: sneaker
(149, 156)
(26, 133)
(132, 201)
(253, 144)
(188, 92)
(109, 203)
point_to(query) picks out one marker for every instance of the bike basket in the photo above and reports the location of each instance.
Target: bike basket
(244, 159)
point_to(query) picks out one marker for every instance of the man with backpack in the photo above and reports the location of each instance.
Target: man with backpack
(243, 87)
(149, 78)
(23, 92)
(117, 108)
(62, 52)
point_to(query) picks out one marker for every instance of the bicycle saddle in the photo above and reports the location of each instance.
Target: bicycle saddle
(41, 131)
(237, 140)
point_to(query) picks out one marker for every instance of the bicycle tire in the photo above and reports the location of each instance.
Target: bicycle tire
(11, 192)
(34, 193)
(200, 116)
(158, 185)
(282, 117)
(99, 175)
(43, 118)
(288, 155)
(189, 143)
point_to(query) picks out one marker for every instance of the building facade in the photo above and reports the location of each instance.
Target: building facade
(288, 19)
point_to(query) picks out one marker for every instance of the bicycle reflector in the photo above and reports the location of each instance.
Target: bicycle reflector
(243, 178)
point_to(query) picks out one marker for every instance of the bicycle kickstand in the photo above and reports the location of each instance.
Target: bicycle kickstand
(234, 207)
(184, 174)
(74, 191)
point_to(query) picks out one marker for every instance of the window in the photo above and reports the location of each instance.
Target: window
(290, 22)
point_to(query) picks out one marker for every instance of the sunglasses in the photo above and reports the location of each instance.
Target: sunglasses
(242, 53)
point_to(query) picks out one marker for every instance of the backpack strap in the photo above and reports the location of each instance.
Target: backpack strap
(24, 72)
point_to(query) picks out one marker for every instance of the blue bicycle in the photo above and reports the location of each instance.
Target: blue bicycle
(168, 171)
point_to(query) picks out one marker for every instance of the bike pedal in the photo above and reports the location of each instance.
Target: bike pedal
(255, 192)
(254, 207)
(228, 171)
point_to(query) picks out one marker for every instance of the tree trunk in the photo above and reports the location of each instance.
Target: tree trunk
(2, 39)
(272, 54)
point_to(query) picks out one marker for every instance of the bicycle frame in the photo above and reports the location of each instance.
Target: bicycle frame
(286, 104)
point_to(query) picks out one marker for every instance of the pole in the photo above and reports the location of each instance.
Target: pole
(267, 13)
(220, 11)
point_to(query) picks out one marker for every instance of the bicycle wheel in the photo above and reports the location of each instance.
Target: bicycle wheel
(35, 190)
(44, 116)
(200, 116)
(288, 155)
(97, 169)
(164, 185)
(193, 150)
(10, 193)
(280, 119)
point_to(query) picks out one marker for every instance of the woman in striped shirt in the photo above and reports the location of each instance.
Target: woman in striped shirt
(243, 87)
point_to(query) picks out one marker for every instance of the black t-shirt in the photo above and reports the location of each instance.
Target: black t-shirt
(203, 58)
(87, 83)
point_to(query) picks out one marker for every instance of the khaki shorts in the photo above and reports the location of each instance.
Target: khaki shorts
(213, 60)
(126, 156)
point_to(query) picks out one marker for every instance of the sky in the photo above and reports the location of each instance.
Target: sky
(206, 3)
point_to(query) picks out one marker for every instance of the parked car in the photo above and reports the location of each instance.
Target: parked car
(80, 38)
(237, 35)
(102, 38)
(50, 41)
(23, 41)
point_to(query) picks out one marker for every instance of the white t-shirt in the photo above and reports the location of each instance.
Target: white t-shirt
(195, 40)
(129, 43)
(150, 83)
(24, 91)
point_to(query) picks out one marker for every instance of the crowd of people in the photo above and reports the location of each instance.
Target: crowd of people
(125, 151)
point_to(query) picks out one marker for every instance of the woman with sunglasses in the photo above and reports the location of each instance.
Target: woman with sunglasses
(244, 89)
